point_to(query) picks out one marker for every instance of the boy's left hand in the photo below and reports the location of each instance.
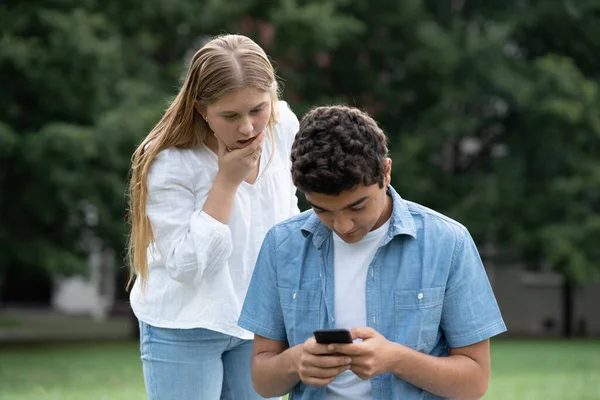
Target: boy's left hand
(371, 357)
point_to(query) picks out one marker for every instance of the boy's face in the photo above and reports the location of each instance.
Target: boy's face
(354, 212)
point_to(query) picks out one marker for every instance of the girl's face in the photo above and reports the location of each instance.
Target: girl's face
(238, 118)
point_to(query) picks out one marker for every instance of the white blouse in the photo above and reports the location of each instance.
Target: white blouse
(200, 268)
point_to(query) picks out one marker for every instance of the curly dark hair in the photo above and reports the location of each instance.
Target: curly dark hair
(337, 148)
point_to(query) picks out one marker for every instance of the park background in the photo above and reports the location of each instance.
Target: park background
(493, 113)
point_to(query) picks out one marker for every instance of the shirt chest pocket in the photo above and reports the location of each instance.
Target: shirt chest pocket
(418, 313)
(301, 313)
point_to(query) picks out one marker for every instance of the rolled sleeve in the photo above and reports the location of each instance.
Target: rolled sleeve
(261, 313)
(470, 313)
(190, 242)
(212, 241)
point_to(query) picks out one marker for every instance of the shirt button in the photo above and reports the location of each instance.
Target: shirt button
(294, 296)
(420, 296)
(332, 319)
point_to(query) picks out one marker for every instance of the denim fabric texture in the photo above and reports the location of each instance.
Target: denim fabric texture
(426, 289)
(194, 364)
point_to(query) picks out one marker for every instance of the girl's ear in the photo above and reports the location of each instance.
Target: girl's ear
(200, 110)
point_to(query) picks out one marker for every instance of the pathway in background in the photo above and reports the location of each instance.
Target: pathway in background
(39, 325)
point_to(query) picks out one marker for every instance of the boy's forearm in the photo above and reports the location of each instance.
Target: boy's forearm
(275, 374)
(456, 376)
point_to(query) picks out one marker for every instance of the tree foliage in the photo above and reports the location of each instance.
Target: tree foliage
(491, 109)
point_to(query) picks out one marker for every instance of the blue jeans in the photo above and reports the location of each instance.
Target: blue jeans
(195, 364)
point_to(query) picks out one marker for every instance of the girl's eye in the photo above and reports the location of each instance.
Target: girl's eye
(229, 117)
(256, 111)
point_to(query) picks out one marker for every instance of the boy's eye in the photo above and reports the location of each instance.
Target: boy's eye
(319, 211)
(360, 209)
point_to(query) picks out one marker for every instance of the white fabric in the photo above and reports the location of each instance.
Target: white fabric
(199, 268)
(350, 267)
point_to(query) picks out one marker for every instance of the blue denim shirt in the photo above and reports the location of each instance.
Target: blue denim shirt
(426, 289)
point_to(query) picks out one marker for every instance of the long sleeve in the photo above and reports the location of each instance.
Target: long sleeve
(190, 242)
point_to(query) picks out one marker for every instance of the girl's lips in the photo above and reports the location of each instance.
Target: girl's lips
(247, 141)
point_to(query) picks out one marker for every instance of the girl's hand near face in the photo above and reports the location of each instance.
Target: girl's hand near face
(236, 165)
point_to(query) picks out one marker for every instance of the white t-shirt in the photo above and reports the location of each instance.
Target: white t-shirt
(350, 265)
(200, 268)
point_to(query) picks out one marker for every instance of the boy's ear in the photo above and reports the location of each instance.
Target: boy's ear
(388, 171)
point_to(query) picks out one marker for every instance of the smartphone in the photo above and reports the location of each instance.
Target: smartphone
(328, 336)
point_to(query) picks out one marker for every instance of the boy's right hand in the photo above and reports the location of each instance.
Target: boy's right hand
(317, 365)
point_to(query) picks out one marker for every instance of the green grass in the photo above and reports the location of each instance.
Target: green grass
(545, 370)
(9, 323)
(522, 369)
(110, 371)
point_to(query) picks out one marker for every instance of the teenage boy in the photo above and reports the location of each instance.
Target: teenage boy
(407, 281)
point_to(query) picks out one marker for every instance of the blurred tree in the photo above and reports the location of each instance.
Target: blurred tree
(58, 64)
(491, 108)
(82, 83)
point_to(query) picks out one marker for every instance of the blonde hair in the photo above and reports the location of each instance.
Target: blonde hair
(224, 65)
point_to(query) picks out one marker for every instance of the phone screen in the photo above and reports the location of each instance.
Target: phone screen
(328, 336)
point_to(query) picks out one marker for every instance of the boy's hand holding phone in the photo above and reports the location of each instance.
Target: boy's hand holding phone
(319, 364)
(373, 356)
